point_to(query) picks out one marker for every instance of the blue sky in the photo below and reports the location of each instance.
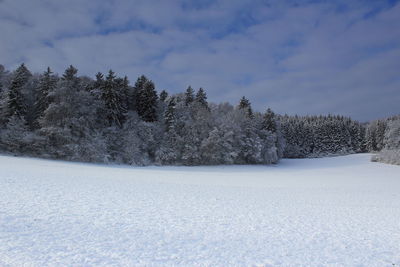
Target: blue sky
(304, 57)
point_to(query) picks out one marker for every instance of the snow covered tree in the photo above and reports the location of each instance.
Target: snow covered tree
(70, 75)
(271, 124)
(98, 82)
(297, 135)
(392, 134)
(12, 138)
(391, 151)
(375, 134)
(69, 122)
(140, 141)
(105, 119)
(2, 74)
(269, 121)
(245, 105)
(380, 134)
(125, 95)
(163, 95)
(16, 103)
(146, 99)
(189, 95)
(47, 84)
(169, 150)
(201, 98)
(169, 115)
(112, 95)
(249, 143)
(317, 136)
(218, 147)
(195, 129)
(4, 81)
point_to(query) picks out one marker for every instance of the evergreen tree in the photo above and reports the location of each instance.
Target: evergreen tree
(374, 137)
(122, 94)
(245, 105)
(47, 84)
(189, 95)
(317, 136)
(70, 75)
(2, 74)
(126, 94)
(269, 121)
(201, 98)
(146, 99)
(392, 135)
(380, 134)
(163, 95)
(139, 85)
(169, 115)
(16, 103)
(112, 91)
(271, 124)
(99, 82)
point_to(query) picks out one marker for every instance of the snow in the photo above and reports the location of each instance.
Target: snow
(340, 211)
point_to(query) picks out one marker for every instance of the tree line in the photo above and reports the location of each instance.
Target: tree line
(106, 119)
(383, 136)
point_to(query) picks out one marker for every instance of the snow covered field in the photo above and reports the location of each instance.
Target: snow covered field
(341, 211)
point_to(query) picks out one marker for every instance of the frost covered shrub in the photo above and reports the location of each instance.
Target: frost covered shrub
(139, 140)
(391, 152)
(387, 156)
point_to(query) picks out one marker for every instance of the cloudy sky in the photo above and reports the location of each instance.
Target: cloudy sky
(304, 57)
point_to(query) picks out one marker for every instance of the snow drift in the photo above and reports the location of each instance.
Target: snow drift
(341, 211)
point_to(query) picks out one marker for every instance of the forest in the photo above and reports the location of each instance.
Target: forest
(108, 120)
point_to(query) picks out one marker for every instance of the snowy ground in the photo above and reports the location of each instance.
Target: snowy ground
(342, 211)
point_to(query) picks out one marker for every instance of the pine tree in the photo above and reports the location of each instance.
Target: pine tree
(189, 95)
(245, 105)
(122, 95)
(16, 103)
(139, 85)
(113, 100)
(163, 95)
(47, 83)
(2, 74)
(126, 93)
(201, 98)
(250, 144)
(380, 134)
(99, 82)
(146, 99)
(269, 121)
(169, 115)
(70, 74)
(169, 150)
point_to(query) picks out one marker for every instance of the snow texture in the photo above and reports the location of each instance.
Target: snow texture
(340, 211)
